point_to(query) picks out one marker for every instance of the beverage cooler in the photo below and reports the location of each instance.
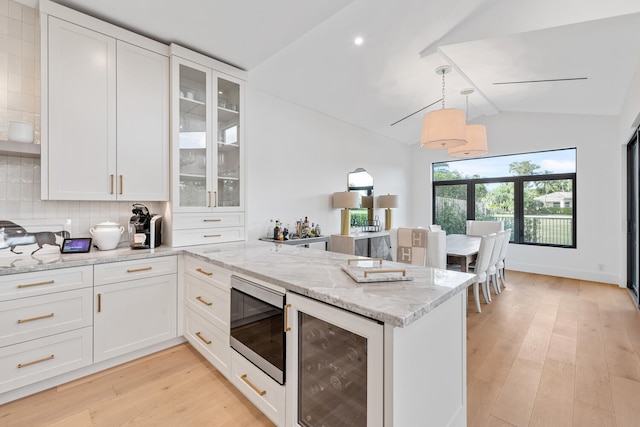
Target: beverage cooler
(335, 375)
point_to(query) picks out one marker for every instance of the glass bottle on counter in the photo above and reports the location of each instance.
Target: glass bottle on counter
(276, 230)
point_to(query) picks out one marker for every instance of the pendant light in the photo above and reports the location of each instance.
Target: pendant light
(445, 128)
(476, 137)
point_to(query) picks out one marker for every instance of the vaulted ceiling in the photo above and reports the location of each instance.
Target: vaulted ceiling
(304, 52)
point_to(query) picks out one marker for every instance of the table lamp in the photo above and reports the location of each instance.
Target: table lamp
(389, 201)
(345, 200)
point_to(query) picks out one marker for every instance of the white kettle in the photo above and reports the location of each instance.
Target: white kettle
(106, 235)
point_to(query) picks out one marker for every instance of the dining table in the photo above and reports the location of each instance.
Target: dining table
(462, 249)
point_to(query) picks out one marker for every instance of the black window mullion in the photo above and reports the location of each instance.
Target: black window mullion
(518, 210)
(471, 200)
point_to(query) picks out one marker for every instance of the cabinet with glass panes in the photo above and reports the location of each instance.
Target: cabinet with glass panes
(207, 150)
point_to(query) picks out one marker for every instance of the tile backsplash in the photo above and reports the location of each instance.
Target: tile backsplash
(20, 100)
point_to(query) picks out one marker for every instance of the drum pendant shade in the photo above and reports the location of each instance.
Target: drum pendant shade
(476, 145)
(446, 128)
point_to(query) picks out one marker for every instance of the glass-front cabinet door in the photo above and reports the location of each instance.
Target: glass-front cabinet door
(228, 185)
(334, 367)
(208, 161)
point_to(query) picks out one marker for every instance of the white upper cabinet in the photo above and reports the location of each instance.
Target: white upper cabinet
(105, 117)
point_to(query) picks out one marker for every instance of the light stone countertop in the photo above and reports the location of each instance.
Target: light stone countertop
(318, 275)
(310, 272)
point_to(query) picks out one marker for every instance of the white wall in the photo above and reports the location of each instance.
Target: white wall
(599, 210)
(297, 158)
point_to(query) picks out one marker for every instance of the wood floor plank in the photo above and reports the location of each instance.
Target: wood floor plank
(626, 401)
(515, 402)
(585, 415)
(80, 419)
(562, 349)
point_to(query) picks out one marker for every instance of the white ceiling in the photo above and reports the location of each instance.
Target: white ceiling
(303, 51)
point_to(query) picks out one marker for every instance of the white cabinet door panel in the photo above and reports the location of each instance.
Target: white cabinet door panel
(143, 124)
(82, 113)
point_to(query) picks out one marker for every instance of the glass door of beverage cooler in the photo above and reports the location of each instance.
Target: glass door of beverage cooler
(336, 368)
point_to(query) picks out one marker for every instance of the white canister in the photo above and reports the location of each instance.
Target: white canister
(106, 235)
(20, 132)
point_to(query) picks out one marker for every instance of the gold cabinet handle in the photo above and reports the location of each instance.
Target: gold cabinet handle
(27, 285)
(254, 388)
(99, 303)
(111, 184)
(207, 303)
(135, 270)
(44, 359)
(367, 272)
(204, 340)
(120, 184)
(207, 273)
(31, 319)
(287, 328)
(215, 199)
(212, 220)
(212, 235)
(209, 205)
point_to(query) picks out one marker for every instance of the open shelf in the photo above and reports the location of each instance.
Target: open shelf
(19, 149)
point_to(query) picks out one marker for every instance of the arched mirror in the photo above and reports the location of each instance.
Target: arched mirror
(361, 181)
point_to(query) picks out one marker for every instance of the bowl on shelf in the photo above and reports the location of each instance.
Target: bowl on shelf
(20, 132)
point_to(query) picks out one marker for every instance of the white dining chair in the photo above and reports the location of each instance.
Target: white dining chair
(485, 250)
(503, 255)
(480, 228)
(492, 270)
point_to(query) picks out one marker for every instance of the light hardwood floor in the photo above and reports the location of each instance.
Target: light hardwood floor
(546, 352)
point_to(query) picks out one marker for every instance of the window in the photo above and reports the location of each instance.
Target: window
(532, 193)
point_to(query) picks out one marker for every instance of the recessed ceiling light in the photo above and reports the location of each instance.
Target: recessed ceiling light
(358, 41)
(220, 92)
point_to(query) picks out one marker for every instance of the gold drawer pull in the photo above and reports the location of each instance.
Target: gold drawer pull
(199, 270)
(209, 205)
(111, 184)
(254, 388)
(48, 282)
(212, 235)
(120, 184)
(204, 340)
(212, 220)
(349, 261)
(135, 270)
(367, 272)
(99, 303)
(44, 359)
(203, 301)
(31, 319)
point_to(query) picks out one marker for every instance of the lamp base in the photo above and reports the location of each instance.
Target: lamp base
(345, 223)
(387, 219)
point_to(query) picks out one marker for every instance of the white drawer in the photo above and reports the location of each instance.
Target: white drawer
(208, 301)
(36, 317)
(203, 236)
(259, 388)
(210, 341)
(208, 272)
(133, 270)
(45, 282)
(37, 360)
(199, 220)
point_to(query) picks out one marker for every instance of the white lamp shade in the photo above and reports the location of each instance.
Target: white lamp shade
(444, 128)
(346, 199)
(367, 202)
(388, 201)
(476, 145)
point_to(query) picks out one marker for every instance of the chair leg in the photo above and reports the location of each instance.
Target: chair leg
(494, 282)
(485, 291)
(501, 271)
(476, 296)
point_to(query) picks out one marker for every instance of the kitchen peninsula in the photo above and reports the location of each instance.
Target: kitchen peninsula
(420, 358)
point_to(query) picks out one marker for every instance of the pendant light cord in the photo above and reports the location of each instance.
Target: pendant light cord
(443, 73)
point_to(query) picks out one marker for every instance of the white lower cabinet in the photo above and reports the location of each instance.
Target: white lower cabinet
(136, 313)
(259, 388)
(36, 360)
(334, 366)
(206, 312)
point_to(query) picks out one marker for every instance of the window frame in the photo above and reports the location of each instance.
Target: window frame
(518, 202)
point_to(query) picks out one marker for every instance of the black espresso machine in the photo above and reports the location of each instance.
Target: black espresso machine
(145, 230)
